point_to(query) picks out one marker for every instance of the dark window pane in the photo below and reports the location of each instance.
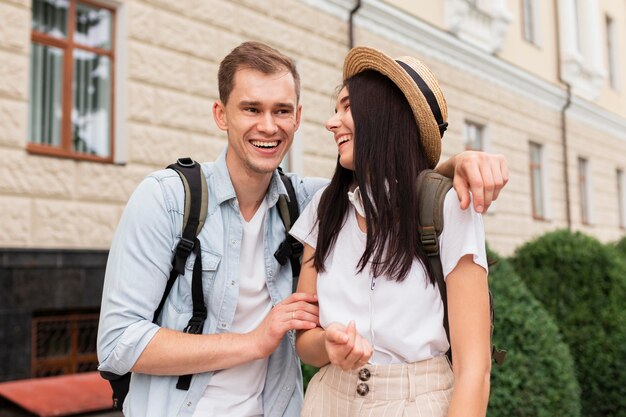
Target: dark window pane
(50, 17)
(91, 113)
(46, 95)
(93, 26)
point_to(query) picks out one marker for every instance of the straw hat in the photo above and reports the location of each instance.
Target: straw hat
(419, 86)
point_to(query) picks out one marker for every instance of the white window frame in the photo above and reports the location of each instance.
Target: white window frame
(546, 212)
(585, 191)
(479, 128)
(621, 197)
(612, 49)
(531, 21)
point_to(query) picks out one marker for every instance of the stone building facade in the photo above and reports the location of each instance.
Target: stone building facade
(541, 82)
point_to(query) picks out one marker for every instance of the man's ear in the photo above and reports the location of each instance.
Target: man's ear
(298, 114)
(219, 115)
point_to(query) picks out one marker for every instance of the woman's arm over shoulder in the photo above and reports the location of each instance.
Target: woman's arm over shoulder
(481, 173)
(468, 314)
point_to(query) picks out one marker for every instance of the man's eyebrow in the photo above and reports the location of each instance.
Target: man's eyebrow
(286, 105)
(252, 103)
(245, 103)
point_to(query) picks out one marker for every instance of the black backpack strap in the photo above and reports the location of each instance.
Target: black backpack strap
(290, 247)
(196, 204)
(431, 190)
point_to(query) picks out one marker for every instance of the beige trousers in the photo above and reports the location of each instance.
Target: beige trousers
(421, 389)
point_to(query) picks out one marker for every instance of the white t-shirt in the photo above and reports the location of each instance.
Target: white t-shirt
(403, 321)
(238, 391)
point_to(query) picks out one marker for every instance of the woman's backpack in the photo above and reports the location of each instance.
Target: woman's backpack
(432, 189)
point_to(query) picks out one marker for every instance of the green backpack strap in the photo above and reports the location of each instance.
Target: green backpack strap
(290, 248)
(431, 193)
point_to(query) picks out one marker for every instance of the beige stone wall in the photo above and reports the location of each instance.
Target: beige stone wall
(172, 51)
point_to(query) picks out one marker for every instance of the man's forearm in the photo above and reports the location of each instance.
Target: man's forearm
(176, 353)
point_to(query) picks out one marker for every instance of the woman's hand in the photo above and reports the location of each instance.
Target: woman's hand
(346, 348)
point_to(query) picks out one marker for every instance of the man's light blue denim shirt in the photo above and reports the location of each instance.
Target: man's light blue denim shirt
(138, 268)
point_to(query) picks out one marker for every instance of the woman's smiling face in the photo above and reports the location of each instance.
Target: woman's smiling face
(341, 125)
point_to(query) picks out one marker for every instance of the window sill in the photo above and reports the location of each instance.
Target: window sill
(44, 150)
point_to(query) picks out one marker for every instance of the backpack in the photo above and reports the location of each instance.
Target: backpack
(432, 189)
(196, 204)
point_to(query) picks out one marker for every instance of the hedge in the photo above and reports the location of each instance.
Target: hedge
(537, 378)
(581, 282)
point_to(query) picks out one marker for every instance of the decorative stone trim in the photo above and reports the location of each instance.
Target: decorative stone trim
(482, 23)
(580, 40)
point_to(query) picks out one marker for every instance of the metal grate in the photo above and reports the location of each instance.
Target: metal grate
(64, 344)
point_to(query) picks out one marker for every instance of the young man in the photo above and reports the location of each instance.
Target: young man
(244, 363)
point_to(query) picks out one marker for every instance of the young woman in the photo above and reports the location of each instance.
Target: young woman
(382, 346)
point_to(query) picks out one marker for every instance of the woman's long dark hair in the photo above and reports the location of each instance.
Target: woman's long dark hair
(388, 156)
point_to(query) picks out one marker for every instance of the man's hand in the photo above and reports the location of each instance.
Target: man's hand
(345, 347)
(296, 312)
(481, 173)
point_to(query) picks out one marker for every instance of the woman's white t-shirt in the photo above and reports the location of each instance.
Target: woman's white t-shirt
(403, 321)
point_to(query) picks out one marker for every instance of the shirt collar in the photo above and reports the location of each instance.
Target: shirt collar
(224, 190)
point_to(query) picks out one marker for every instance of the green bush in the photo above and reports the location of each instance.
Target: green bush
(307, 373)
(537, 378)
(581, 283)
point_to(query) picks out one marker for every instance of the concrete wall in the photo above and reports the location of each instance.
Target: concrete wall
(167, 57)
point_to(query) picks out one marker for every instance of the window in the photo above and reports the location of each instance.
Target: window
(529, 21)
(577, 26)
(537, 180)
(64, 343)
(71, 79)
(474, 136)
(621, 198)
(583, 181)
(611, 52)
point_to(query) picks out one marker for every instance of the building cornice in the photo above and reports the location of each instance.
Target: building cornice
(380, 18)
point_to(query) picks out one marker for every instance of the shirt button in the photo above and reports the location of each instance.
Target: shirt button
(232, 283)
(364, 374)
(223, 325)
(189, 404)
(233, 242)
(362, 389)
